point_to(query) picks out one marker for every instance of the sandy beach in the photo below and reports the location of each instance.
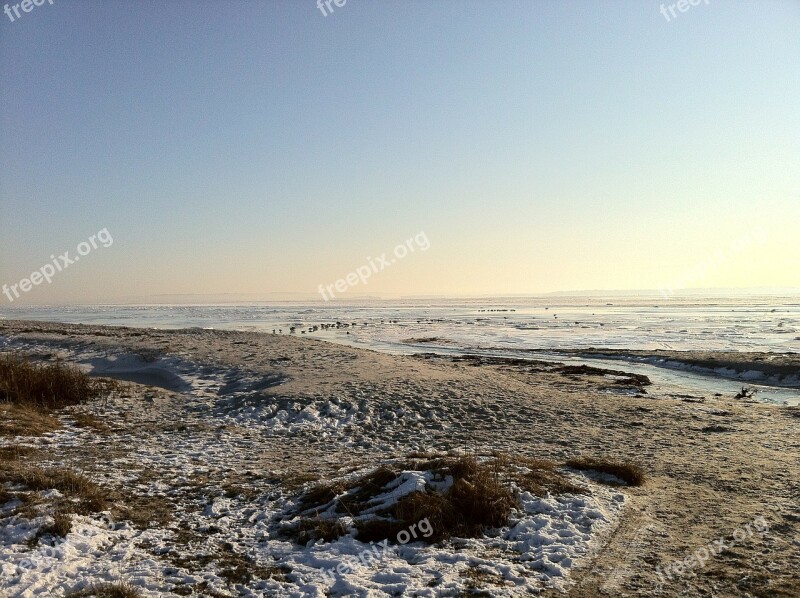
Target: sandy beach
(213, 437)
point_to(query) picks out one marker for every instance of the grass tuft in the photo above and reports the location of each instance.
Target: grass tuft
(45, 387)
(628, 472)
(321, 495)
(87, 496)
(87, 420)
(14, 453)
(61, 527)
(23, 420)
(315, 529)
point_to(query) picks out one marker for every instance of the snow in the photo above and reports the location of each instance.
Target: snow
(546, 539)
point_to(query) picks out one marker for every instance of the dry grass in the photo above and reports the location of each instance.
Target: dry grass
(45, 387)
(422, 455)
(314, 529)
(146, 512)
(199, 554)
(16, 420)
(84, 496)
(87, 420)
(237, 569)
(81, 495)
(320, 495)
(239, 490)
(480, 497)
(65, 481)
(61, 526)
(478, 578)
(296, 479)
(630, 473)
(540, 477)
(366, 488)
(15, 453)
(108, 590)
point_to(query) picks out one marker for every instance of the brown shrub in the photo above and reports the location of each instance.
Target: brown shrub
(480, 501)
(476, 500)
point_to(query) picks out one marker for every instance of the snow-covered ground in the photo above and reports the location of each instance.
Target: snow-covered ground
(201, 442)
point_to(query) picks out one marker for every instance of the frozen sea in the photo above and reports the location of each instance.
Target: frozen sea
(529, 327)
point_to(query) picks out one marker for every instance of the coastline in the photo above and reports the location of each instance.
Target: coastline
(713, 464)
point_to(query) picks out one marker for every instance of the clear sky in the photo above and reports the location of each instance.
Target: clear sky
(254, 147)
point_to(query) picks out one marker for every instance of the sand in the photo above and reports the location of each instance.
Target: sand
(217, 419)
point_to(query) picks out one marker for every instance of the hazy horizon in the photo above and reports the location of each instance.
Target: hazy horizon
(223, 299)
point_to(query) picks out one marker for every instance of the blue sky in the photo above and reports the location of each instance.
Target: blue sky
(255, 147)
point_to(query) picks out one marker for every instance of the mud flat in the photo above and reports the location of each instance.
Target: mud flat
(201, 480)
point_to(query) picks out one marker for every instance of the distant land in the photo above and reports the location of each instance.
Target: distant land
(279, 297)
